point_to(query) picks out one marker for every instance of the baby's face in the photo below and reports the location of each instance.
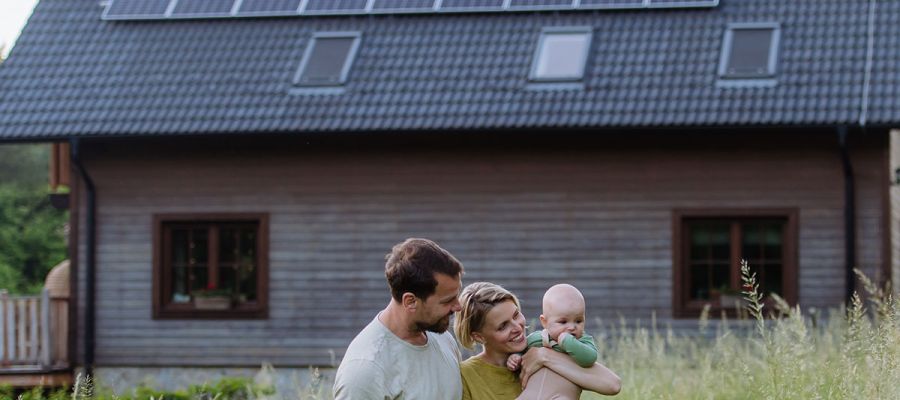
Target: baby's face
(564, 314)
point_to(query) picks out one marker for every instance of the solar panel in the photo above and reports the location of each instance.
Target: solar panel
(316, 7)
(136, 9)
(475, 5)
(540, 4)
(683, 3)
(164, 9)
(405, 5)
(202, 7)
(611, 4)
(269, 7)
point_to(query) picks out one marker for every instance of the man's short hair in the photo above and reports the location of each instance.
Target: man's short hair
(411, 266)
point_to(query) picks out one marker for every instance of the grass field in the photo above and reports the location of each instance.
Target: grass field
(839, 354)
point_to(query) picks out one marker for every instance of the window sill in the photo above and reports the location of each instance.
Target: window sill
(188, 311)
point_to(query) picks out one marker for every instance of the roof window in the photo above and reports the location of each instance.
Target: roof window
(561, 54)
(749, 51)
(327, 59)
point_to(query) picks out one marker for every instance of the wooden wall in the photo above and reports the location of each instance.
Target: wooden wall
(524, 217)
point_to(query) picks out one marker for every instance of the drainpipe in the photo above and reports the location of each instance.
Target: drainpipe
(90, 257)
(849, 216)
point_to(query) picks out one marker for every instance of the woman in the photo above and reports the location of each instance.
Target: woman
(490, 316)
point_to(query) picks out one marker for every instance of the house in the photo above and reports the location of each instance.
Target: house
(241, 167)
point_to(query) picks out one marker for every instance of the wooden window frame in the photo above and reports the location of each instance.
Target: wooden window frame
(163, 309)
(681, 306)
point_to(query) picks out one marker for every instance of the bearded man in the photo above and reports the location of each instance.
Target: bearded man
(406, 351)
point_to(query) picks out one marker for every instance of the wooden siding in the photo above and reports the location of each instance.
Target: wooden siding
(526, 219)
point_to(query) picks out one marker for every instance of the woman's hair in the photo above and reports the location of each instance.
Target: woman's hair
(476, 300)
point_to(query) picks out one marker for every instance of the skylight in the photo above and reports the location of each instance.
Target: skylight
(327, 59)
(749, 51)
(561, 54)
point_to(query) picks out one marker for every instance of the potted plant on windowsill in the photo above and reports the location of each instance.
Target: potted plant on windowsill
(212, 298)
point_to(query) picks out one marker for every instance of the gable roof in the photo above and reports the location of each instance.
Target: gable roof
(73, 74)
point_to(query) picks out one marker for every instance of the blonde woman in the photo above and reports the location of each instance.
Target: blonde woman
(491, 317)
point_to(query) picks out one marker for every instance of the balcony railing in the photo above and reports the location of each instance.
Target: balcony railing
(33, 333)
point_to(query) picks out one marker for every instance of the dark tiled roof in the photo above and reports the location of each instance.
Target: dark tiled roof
(73, 74)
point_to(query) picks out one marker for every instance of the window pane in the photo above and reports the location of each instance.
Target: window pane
(247, 277)
(751, 248)
(248, 247)
(179, 247)
(721, 276)
(562, 55)
(750, 52)
(700, 282)
(199, 246)
(771, 283)
(326, 60)
(774, 241)
(228, 245)
(227, 279)
(699, 243)
(179, 286)
(198, 277)
(720, 240)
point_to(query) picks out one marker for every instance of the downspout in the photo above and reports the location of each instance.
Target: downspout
(849, 216)
(90, 256)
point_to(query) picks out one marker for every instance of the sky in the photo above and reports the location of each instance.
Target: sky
(13, 15)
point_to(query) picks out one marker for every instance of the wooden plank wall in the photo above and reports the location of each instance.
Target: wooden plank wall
(524, 219)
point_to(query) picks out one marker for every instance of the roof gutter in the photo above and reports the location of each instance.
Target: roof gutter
(849, 216)
(90, 257)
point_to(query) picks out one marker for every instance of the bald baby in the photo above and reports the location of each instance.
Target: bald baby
(563, 314)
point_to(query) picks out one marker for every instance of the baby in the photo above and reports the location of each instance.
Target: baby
(563, 322)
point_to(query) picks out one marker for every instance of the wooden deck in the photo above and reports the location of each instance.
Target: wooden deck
(34, 341)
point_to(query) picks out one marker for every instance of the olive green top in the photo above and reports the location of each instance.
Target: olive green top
(483, 381)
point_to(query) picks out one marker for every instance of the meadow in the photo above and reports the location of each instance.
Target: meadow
(780, 353)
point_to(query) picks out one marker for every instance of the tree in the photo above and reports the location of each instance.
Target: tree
(32, 232)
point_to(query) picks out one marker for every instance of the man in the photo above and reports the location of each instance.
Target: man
(406, 351)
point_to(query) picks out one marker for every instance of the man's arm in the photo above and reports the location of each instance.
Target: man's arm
(359, 379)
(582, 350)
(597, 378)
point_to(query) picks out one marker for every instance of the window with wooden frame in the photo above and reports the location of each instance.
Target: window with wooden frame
(708, 247)
(210, 266)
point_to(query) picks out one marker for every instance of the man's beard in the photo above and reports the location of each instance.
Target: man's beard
(440, 326)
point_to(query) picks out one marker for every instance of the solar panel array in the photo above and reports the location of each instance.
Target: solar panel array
(180, 9)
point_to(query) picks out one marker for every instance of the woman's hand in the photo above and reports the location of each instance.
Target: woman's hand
(597, 378)
(532, 361)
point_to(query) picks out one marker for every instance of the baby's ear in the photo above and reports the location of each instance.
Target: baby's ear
(543, 321)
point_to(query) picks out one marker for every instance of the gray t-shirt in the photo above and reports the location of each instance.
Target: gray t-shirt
(379, 365)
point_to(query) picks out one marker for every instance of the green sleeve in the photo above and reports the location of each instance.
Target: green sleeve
(535, 339)
(583, 350)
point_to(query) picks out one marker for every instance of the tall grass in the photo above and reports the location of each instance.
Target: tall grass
(784, 353)
(853, 353)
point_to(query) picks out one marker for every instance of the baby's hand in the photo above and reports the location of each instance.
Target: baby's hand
(514, 362)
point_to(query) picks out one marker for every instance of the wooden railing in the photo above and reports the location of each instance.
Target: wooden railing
(33, 331)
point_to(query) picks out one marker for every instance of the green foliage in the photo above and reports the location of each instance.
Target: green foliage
(24, 165)
(32, 232)
(776, 354)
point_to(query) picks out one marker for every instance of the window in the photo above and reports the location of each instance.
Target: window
(210, 266)
(708, 247)
(749, 51)
(561, 54)
(327, 59)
